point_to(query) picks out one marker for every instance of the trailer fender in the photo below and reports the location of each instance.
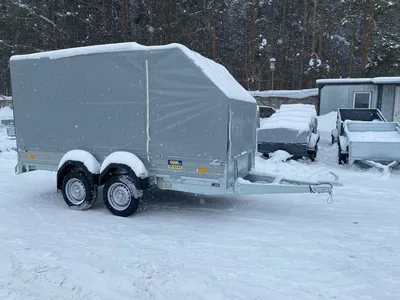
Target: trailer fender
(78, 159)
(124, 163)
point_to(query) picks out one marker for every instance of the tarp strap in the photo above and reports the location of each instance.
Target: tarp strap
(148, 111)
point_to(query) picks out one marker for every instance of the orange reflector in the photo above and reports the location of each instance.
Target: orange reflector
(201, 170)
(31, 156)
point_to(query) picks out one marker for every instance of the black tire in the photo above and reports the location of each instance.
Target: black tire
(313, 154)
(77, 179)
(342, 157)
(130, 195)
(333, 139)
(345, 157)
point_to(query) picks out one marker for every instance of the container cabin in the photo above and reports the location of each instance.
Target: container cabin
(382, 93)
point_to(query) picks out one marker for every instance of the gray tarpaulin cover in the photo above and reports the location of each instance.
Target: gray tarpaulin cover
(292, 123)
(165, 100)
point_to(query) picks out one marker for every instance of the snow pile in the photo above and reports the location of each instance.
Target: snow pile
(294, 94)
(326, 123)
(291, 169)
(127, 159)
(374, 136)
(389, 133)
(85, 157)
(298, 117)
(279, 156)
(217, 73)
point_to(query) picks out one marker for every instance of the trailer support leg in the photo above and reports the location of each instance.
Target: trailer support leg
(384, 168)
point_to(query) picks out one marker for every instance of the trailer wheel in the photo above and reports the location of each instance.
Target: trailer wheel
(121, 196)
(334, 135)
(342, 157)
(77, 190)
(313, 154)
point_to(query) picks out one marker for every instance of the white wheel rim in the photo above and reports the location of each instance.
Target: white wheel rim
(75, 191)
(119, 196)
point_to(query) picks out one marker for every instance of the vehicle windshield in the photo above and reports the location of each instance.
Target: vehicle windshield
(266, 111)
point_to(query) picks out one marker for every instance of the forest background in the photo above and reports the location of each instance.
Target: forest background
(309, 39)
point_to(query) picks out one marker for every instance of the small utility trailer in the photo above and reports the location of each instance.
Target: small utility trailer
(293, 128)
(10, 131)
(376, 144)
(8, 123)
(354, 114)
(129, 117)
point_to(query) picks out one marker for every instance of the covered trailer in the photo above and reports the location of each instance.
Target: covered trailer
(293, 128)
(129, 117)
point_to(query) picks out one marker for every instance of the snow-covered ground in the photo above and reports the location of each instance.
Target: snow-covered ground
(180, 246)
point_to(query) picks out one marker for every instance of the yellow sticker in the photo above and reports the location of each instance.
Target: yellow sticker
(175, 164)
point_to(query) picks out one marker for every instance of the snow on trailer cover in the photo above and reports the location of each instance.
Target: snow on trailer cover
(292, 128)
(129, 117)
